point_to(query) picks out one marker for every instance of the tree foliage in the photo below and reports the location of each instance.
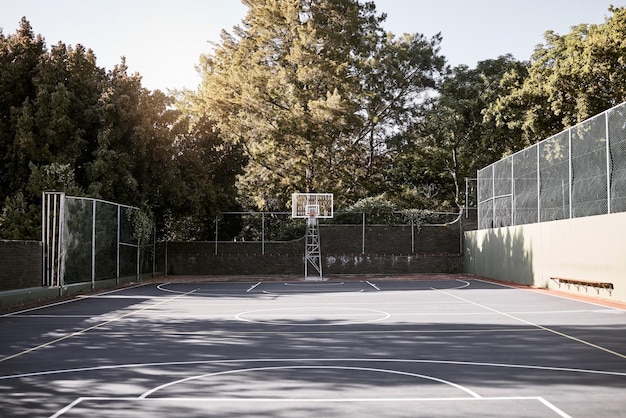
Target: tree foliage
(570, 78)
(453, 139)
(68, 125)
(304, 95)
(312, 90)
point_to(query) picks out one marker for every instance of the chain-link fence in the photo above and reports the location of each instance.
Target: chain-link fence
(89, 240)
(578, 172)
(260, 231)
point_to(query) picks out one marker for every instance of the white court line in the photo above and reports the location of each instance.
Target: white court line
(53, 316)
(249, 290)
(70, 406)
(256, 369)
(553, 407)
(462, 281)
(564, 311)
(317, 360)
(320, 284)
(218, 315)
(491, 313)
(163, 289)
(333, 332)
(200, 292)
(573, 299)
(372, 284)
(84, 330)
(508, 315)
(38, 307)
(313, 400)
(77, 298)
(316, 285)
(464, 285)
(114, 297)
(271, 313)
(303, 292)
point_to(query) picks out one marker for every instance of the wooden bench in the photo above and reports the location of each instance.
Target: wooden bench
(584, 283)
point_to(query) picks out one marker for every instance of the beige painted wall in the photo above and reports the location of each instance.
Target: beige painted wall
(590, 248)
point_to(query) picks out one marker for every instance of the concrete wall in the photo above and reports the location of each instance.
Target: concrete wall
(23, 296)
(591, 248)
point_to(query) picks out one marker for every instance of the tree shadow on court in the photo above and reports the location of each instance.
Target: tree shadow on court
(311, 358)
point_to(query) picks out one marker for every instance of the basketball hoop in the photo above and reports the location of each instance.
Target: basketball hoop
(312, 206)
(312, 212)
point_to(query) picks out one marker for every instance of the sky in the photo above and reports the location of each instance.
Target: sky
(162, 40)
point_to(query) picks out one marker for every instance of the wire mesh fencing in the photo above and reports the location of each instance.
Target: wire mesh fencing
(89, 240)
(412, 231)
(575, 173)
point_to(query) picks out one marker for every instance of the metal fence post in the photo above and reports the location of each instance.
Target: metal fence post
(154, 243)
(216, 232)
(413, 234)
(117, 263)
(61, 256)
(571, 172)
(262, 233)
(363, 234)
(512, 190)
(93, 244)
(43, 239)
(538, 187)
(493, 195)
(608, 163)
(138, 258)
(478, 201)
(466, 198)
(165, 268)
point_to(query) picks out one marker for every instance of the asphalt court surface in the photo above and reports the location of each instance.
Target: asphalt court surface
(381, 347)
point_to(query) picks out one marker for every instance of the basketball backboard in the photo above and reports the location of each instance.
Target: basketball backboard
(307, 205)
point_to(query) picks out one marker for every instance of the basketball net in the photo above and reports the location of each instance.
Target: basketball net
(312, 211)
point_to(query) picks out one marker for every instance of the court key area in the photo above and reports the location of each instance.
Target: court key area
(446, 346)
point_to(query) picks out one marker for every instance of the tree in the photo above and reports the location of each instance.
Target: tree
(48, 121)
(312, 90)
(19, 58)
(68, 125)
(570, 78)
(453, 139)
(207, 167)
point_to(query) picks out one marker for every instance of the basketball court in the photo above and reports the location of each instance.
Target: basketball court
(434, 346)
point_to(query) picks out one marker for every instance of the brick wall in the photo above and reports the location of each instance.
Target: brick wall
(380, 239)
(388, 250)
(291, 264)
(21, 264)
